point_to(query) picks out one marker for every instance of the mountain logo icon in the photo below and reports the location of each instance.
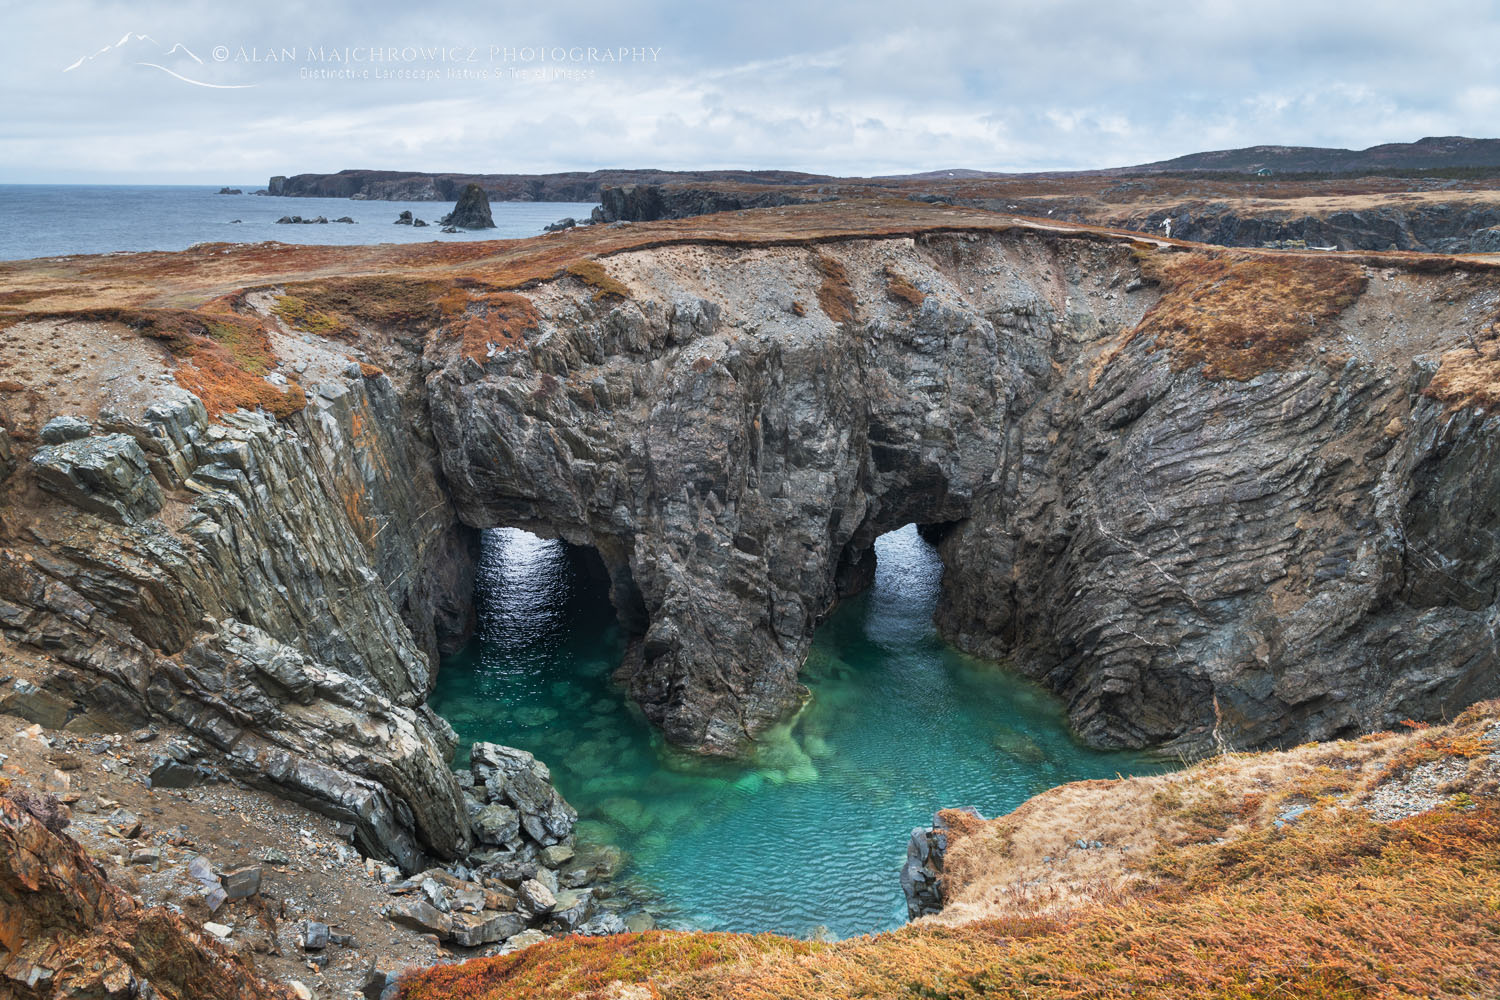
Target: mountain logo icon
(134, 48)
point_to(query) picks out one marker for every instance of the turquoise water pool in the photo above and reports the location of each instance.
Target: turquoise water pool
(813, 831)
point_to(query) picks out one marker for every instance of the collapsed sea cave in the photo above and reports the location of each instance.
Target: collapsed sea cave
(807, 830)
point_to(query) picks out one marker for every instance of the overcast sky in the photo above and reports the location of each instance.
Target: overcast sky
(849, 88)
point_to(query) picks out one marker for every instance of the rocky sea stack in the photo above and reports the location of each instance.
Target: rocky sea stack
(472, 210)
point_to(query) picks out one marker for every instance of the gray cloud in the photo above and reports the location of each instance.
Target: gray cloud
(873, 87)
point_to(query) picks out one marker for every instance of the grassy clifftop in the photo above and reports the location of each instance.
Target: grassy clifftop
(1366, 868)
(1233, 312)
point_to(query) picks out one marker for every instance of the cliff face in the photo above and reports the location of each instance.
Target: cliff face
(401, 185)
(1206, 497)
(647, 202)
(282, 593)
(1445, 227)
(1459, 225)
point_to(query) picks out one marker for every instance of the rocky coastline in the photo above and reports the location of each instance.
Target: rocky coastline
(1195, 542)
(1460, 225)
(397, 185)
(289, 585)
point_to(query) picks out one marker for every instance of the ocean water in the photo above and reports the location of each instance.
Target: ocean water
(47, 220)
(812, 831)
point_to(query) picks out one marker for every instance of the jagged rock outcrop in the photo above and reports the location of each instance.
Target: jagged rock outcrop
(518, 783)
(922, 875)
(66, 931)
(107, 475)
(282, 594)
(472, 210)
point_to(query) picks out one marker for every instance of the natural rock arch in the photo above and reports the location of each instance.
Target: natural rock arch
(1185, 558)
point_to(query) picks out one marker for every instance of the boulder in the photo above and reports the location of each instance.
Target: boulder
(555, 856)
(124, 823)
(556, 227)
(525, 939)
(571, 908)
(497, 824)
(575, 876)
(470, 930)
(515, 776)
(405, 218)
(106, 475)
(243, 882)
(314, 935)
(65, 428)
(535, 898)
(498, 899)
(420, 915)
(472, 210)
(468, 900)
(437, 894)
(169, 773)
(603, 923)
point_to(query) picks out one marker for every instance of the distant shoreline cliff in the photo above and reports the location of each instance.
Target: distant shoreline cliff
(410, 185)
